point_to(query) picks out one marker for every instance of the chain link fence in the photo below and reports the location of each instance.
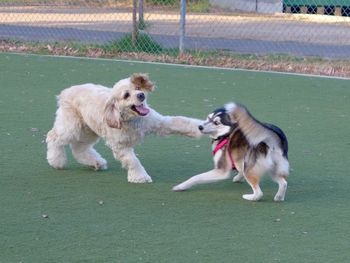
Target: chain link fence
(318, 28)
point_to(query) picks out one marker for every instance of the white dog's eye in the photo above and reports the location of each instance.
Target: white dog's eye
(126, 95)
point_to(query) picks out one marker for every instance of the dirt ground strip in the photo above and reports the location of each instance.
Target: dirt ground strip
(266, 63)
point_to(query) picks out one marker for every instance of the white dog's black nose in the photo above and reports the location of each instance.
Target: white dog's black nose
(200, 127)
(141, 96)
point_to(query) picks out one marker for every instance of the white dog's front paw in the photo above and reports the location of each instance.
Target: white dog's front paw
(139, 178)
(58, 163)
(179, 187)
(252, 197)
(100, 164)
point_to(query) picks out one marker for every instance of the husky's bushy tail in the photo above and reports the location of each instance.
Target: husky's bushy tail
(255, 131)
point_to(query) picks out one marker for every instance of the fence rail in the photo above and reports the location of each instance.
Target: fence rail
(296, 27)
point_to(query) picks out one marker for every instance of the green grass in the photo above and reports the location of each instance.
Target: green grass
(163, 2)
(148, 222)
(144, 43)
(198, 6)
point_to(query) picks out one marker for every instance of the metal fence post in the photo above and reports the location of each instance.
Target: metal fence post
(141, 19)
(182, 26)
(134, 22)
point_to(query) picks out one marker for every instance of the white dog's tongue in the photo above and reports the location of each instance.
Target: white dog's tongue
(142, 110)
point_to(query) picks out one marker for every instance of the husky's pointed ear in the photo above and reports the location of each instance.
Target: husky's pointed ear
(112, 114)
(142, 81)
(231, 110)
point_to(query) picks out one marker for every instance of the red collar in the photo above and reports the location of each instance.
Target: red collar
(221, 144)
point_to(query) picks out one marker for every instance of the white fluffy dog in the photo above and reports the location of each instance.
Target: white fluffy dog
(120, 115)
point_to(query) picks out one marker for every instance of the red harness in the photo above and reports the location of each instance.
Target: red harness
(221, 144)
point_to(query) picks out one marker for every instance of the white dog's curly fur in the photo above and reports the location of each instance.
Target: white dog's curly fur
(120, 115)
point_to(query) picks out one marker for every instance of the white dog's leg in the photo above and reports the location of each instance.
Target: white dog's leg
(136, 172)
(66, 128)
(56, 155)
(166, 125)
(212, 176)
(185, 126)
(85, 154)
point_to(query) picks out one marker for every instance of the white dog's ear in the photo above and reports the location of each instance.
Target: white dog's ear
(142, 81)
(112, 114)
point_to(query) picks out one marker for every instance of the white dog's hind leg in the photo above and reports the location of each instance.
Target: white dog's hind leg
(136, 172)
(56, 155)
(212, 176)
(85, 154)
(66, 128)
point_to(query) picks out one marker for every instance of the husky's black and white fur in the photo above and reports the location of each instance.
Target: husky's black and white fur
(253, 148)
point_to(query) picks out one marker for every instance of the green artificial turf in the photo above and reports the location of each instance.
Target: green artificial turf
(149, 222)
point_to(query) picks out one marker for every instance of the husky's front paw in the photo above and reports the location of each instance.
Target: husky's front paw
(279, 198)
(252, 197)
(139, 178)
(238, 178)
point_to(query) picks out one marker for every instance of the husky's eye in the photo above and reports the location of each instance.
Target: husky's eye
(126, 95)
(216, 122)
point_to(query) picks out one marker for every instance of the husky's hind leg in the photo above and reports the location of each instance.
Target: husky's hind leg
(280, 177)
(253, 180)
(282, 187)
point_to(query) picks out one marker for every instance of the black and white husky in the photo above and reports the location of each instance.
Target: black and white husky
(242, 143)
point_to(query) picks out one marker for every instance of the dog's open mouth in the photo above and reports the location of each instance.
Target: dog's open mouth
(141, 110)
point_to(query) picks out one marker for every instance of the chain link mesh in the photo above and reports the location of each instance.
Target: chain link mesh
(298, 27)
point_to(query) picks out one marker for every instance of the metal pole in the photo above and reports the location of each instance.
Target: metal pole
(134, 22)
(141, 20)
(182, 26)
